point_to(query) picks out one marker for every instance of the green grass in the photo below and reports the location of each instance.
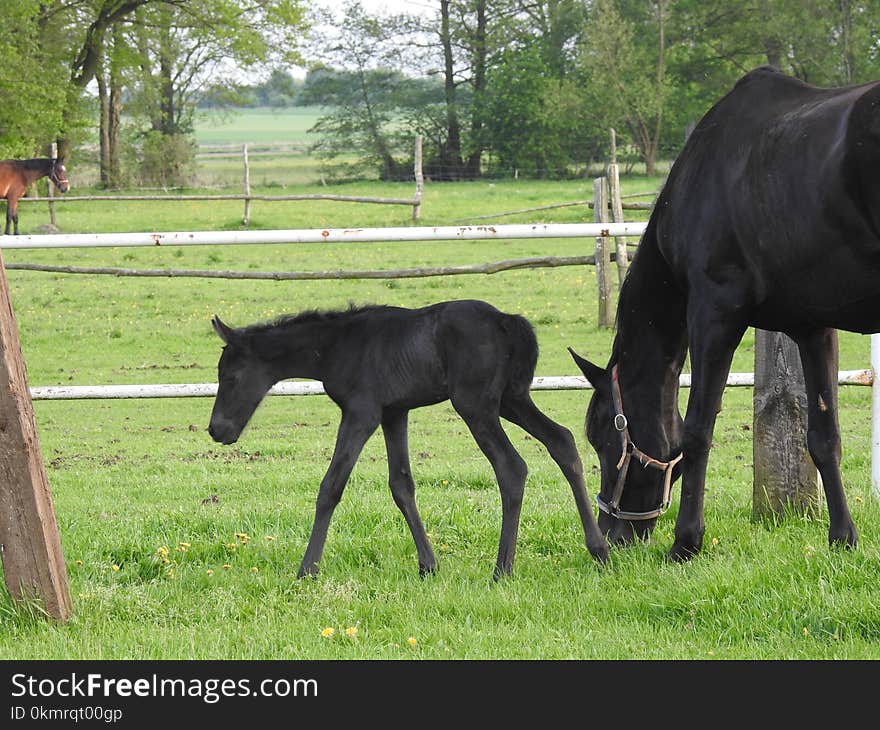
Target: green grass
(257, 125)
(129, 478)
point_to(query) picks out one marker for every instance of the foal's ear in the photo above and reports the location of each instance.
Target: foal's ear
(224, 332)
(597, 376)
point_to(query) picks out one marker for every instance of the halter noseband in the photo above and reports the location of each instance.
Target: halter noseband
(629, 449)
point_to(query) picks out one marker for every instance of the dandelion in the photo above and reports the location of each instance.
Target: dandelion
(209, 572)
(806, 631)
(714, 541)
(351, 631)
(170, 572)
(255, 569)
(162, 552)
(412, 641)
(114, 568)
(243, 537)
(270, 538)
(183, 547)
(226, 566)
(328, 632)
(79, 562)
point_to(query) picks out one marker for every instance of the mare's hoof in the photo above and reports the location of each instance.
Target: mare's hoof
(307, 572)
(427, 570)
(500, 573)
(680, 553)
(846, 538)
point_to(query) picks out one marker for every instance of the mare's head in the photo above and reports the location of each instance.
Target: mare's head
(243, 380)
(58, 175)
(635, 485)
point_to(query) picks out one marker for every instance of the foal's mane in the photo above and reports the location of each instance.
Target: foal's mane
(310, 316)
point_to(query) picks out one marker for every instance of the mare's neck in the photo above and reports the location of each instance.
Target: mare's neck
(31, 175)
(651, 342)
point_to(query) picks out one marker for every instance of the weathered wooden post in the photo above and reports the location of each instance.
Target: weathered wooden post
(247, 186)
(30, 546)
(621, 256)
(420, 180)
(603, 253)
(50, 187)
(784, 473)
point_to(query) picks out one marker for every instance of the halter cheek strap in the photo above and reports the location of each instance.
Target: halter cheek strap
(628, 451)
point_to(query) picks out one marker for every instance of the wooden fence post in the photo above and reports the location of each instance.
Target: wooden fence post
(621, 255)
(603, 253)
(247, 186)
(50, 188)
(784, 473)
(420, 180)
(33, 565)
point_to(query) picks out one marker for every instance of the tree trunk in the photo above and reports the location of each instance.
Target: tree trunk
(480, 50)
(784, 473)
(450, 154)
(103, 128)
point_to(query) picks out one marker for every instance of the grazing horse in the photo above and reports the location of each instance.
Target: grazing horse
(17, 175)
(377, 363)
(768, 218)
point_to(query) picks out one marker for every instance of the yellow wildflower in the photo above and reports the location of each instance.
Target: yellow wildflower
(255, 569)
(412, 641)
(209, 572)
(328, 632)
(114, 568)
(226, 566)
(351, 631)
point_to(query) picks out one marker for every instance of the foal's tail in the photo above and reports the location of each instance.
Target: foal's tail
(523, 354)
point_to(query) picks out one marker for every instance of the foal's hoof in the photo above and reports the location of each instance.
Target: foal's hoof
(310, 572)
(427, 570)
(500, 573)
(599, 552)
(680, 553)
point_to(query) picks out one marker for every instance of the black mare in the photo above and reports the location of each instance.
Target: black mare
(377, 363)
(770, 217)
(17, 175)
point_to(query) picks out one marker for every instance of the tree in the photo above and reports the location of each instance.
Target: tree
(624, 64)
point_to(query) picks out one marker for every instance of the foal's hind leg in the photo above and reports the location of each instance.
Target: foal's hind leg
(481, 418)
(521, 410)
(403, 489)
(818, 356)
(354, 430)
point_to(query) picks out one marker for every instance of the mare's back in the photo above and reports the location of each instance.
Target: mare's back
(758, 194)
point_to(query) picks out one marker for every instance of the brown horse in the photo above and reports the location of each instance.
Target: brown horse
(17, 175)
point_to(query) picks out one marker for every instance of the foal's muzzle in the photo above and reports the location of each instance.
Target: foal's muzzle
(223, 431)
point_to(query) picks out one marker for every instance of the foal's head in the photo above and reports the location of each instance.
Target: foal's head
(243, 380)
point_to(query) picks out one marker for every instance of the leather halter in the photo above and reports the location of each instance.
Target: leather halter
(629, 449)
(55, 176)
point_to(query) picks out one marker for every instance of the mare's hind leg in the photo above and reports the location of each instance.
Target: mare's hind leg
(521, 410)
(403, 489)
(818, 351)
(481, 417)
(354, 430)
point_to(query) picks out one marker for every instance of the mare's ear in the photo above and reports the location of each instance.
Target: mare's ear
(224, 332)
(597, 376)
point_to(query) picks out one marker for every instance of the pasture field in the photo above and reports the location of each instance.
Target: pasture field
(178, 547)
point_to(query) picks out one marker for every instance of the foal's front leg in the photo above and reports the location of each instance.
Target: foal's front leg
(354, 431)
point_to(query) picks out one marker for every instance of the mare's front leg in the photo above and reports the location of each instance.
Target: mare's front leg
(403, 489)
(818, 351)
(713, 337)
(9, 210)
(12, 212)
(355, 428)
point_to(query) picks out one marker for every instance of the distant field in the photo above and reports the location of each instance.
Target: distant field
(257, 125)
